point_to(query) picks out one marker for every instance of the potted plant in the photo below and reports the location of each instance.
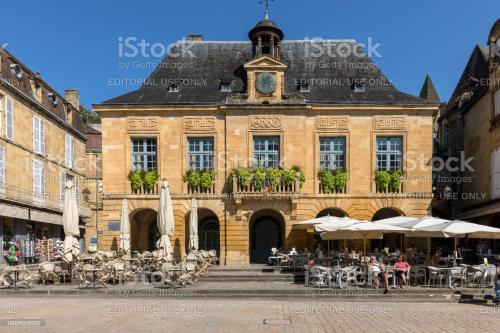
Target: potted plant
(149, 180)
(340, 181)
(383, 179)
(136, 180)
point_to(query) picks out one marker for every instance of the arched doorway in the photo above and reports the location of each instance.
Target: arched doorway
(386, 213)
(266, 232)
(208, 231)
(328, 245)
(144, 230)
(391, 241)
(208, 234)
(337, 212)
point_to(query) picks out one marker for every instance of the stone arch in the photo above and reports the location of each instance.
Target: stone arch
(314, 207)
(333, 211)
(387, 212)
(143, 229)
(208, 230)
(266, 230)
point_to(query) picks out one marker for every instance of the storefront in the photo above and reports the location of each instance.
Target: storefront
(38, 234)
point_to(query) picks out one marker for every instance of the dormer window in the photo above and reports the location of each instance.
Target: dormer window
(53, 98)
(173, 88)
(36, 90)
(17, 70)
(358, 86)
(225, 87)
(304, 88)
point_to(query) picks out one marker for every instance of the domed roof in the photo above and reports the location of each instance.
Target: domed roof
(495, 32)
(266, 25)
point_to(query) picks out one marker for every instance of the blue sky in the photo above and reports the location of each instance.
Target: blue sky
(74, 44)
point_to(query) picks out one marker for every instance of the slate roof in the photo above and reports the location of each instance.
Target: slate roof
(428, 91)
(468, 87)
(24, 86)
(203, 66)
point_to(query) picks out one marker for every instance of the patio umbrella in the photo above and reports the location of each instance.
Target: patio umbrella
(125, 228)
(424, 222)
(311, 223)
(397, 221)
(193, 226)
(362, 230)
(457, 229)
(165, 221)
(70, 223)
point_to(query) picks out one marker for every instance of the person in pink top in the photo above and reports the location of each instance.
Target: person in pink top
(400, 269)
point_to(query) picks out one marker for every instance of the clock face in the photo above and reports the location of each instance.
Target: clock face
(265, 83)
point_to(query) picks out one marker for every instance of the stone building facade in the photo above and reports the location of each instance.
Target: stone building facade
(263, 103)
(42, 142)
(469, 132)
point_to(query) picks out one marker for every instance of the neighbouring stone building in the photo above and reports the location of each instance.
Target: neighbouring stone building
(469, 128)
(42, 140)
(268, 103)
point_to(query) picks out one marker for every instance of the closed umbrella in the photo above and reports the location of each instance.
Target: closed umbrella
(70, 223)
(193, 226)
(125, 228)
(165, 221)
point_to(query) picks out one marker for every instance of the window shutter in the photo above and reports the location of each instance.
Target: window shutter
(68, 151)
(42, 180)
(36, 134)
(63, 184)
(2, 166)
(42, 137)
(77, 188)
(9, 119)
(495, 174)
(72, 155)
(37, 180)
(2, 101)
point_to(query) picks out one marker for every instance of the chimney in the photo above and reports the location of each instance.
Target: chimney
(73, 98)
(195, 38)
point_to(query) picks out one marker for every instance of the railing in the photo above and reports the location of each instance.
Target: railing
(322, 190)
(189, 189)
(143, 190)
(266, 187)
(389, 188)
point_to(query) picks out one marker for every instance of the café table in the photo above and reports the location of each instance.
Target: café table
(446, 271)
(94, 275)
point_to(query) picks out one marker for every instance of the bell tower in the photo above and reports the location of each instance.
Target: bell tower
(266, 72)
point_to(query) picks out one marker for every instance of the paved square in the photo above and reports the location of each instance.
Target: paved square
(82, 314)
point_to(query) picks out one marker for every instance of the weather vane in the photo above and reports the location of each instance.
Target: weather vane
(266, 3)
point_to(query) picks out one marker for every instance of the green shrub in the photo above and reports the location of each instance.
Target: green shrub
(395, 180)
(327, 181)
(383, 178)
(288, 176)
(259, 176)
(274, 177)
(136, 179)
(193, 178)
(207, 179)
(302, 178)
(149, 179)
(243, 175)
(340, 180)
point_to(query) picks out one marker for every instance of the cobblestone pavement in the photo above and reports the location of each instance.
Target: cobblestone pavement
(71, 314)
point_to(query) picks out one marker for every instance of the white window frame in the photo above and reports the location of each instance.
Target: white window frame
(38, 135)
(69, 152)
(38, 181)
(9, 118)
(2, 170)
(2, 100)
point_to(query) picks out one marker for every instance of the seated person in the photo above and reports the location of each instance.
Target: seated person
(375, 268)
(400, 269)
